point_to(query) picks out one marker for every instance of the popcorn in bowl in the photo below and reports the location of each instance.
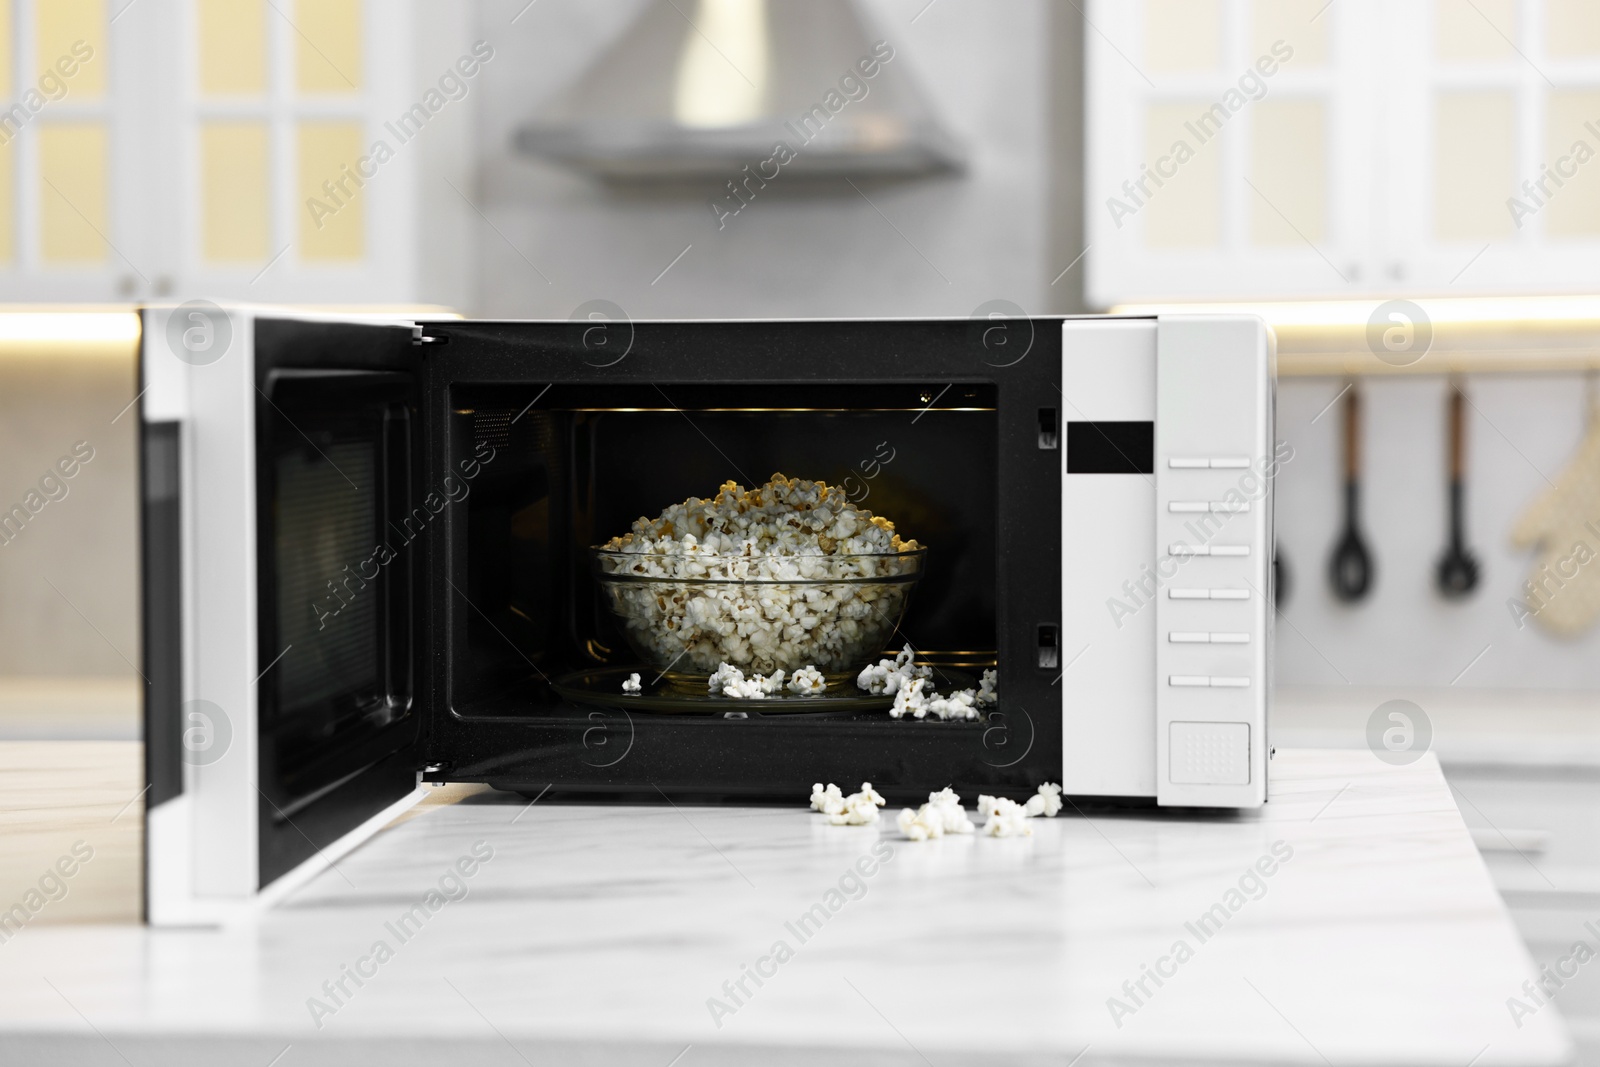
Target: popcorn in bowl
(785, 576)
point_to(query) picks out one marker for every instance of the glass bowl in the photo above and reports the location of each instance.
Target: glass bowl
(758, 613)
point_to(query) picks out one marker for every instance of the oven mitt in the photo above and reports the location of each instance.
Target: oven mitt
(1563, 595)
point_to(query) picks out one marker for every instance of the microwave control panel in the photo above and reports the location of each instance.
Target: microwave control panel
(1167, 558)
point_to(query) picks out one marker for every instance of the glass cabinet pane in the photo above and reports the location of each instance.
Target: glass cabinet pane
(1475, 30)
(235, 200)
(1474, 163)
(73, 192)
(1572, 208)
(7, 67)
(232, 43)
(328, 46)
(1182, 35)
(331, 206)
(1186, 209)
(1573, 29)
(1288, 166)
(62, 30)
(1301, 24)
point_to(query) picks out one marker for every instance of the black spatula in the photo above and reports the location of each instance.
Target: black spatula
(1457, 574)
(1350, 568)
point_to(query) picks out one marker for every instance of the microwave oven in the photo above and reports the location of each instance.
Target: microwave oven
(364, 562)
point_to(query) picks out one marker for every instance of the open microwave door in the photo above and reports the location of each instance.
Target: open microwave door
(282, 713)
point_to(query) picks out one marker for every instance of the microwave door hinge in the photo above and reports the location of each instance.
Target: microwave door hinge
(420, 337)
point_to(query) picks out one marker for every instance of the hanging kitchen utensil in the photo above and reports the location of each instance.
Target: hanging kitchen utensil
(1562, 592)
(1350, 568)
(1458, 568)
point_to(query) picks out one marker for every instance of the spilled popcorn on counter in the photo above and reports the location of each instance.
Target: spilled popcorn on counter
(941, 815)
(1046, 802)
(788, 530)
(1005, 818)
(633, 684)
(857, 809)
(912, 687)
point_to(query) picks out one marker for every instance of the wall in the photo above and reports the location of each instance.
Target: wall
(69, 579)
(812, 249)
(1522, 433)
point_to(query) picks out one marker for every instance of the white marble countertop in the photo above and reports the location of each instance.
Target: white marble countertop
(596, 935)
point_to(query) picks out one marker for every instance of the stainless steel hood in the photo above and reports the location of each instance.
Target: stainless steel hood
(702, 88)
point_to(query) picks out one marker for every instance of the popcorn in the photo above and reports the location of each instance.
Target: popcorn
(912, 688)
(632, 685)
(919, 825)
(1005, 818)
(987, 693)
(752, 688)
(908, 699)
(941, 815)
(724, 676)
(857, 809)
(829, 801)
(887, 676)
(729, 681)
(1046, 802)
(788, 530)
(958, 705)
(807, 682)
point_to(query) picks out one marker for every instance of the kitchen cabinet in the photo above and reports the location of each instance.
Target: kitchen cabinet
(1538, 829)
(1339, 149)
(219, 148)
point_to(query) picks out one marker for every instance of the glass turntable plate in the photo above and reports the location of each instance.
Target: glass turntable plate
(603, 686)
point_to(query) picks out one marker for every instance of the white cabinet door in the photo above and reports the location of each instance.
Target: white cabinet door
(1495, 119)
(260, 150)
(282, 137)
(73, 199)
(1221, 141)
(1433, 145)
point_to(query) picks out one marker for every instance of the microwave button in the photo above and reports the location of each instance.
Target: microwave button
(1182, 463)
(1189, 637)
(1229, 639)
(1189, 681)
(1223, 681)
(1230, 594)
(1188, 594)
(1178, 548)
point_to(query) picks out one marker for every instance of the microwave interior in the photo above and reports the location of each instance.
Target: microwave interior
(575, 465)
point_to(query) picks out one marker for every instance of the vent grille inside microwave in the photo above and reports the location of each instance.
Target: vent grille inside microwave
(492, 428)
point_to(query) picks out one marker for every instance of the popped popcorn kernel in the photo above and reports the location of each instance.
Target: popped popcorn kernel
(1046, 802)
(1005, 817)
(807, 681)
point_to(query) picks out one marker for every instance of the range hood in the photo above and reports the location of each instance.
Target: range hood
(702, 88)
